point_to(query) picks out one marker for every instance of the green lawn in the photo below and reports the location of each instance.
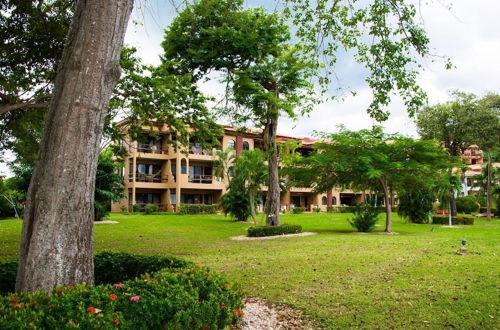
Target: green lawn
(342, 279)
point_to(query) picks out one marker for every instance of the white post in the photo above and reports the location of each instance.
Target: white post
(449, 212)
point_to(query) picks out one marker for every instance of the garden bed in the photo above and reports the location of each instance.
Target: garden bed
(246, 238)
(134, 292)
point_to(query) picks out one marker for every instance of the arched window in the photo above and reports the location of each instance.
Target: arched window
(324, 201)
(246, 145)
(231, 144)
(334, 200)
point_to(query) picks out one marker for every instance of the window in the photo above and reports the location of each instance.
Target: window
(230, 171)
(231, 144)
(246, 145)
(206, 199)
(324, 200)
(334, 200)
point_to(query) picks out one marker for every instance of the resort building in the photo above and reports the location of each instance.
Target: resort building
(475, 162)
(157, 172)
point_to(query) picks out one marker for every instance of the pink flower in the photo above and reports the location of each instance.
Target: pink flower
(118, 285)
(135, 298)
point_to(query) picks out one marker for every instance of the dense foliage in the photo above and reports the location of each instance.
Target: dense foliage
(260, 231)
(168, 293)
(108, 184)
(298, 210)
(365, 217)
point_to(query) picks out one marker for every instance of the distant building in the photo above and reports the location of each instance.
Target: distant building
(157, 172)
(475, 162)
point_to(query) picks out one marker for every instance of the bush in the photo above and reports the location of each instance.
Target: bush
(365, 217)
(484, 209)
(416, 204)
(237, 204)
(151, 208)
(316, 209)
(467, 204)
(261, 231)
(298, 210)
(136, 208)
(330, 209)
(197, 209)
(186, 298)
(442, 219)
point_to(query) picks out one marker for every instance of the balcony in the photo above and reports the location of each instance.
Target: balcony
(195, 150)
(146, 178)
(151, 149)
(204, 179)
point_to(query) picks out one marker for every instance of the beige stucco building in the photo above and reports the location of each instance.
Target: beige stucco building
(158, 173)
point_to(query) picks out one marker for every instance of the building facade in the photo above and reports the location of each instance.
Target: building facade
(156, 172)
(475, 162)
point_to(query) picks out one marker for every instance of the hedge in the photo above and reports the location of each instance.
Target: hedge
(151, 208)
(484, 209)
(298, 210)
(261, 231)
(188, 297)
(442, 219)
(351, 209)
(198, 209)
(467, 204)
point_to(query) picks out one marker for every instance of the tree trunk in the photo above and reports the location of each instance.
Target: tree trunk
(488, 187)
(57, 236)
(273, 187)
(388, 209)
(450, 222)
(252, 207)
(453, 204)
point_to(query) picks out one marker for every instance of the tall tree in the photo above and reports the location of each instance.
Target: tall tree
(369, 160)
(60, 199)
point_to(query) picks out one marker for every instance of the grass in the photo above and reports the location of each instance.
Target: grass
(341, 278)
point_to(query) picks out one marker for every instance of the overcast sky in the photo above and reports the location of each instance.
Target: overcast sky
(469, 34)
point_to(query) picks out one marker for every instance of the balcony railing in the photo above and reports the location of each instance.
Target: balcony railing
(206, 179)
(151, 149)
(145, 178)
(199, 151)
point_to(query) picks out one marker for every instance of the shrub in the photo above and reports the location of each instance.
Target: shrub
(261, 231)
(416, 205)
(123, 208)
(151, 208)
(136, 208)
(187, 298)
(467, 204)
(8, 272)
(298, 210)
(484, 209)
(316, 209)
(237, 204)
(442, 219)
(365, 217)
(330, 209)
(197, 209)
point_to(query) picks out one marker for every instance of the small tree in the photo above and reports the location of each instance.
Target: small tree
(108, 184)
(369, 160)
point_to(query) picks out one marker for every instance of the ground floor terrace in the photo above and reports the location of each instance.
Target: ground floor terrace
(167, 200)
(340, 278)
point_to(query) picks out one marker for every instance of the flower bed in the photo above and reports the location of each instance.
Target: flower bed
(177, 295)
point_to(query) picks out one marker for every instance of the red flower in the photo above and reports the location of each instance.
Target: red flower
(223, 306)
(91, 310)
(226, 285)
(116, 321)
(14, 299)
(206, 327)
(113, 296)
(33, 303)
(238, 312)
(21, 305)
(50, 306)
(118, 285)
(59, 291)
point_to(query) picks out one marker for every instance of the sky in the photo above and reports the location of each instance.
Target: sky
(468, 33)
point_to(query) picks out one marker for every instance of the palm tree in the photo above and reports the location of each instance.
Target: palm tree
(252, 168)
(223, 163)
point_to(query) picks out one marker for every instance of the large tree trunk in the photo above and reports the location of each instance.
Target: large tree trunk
(388, 209)
(488, 187)
(273, 187)
(57, 236)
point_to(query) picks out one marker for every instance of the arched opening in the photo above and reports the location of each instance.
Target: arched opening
(246, 145)
(324, 200)
(231, 144)
(183, 166)
(334, 200)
